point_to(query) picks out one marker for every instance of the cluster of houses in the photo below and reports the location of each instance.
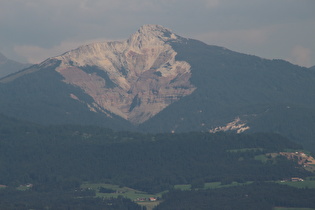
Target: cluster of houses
(293, 179)
(151, 199)
(301, 157)
(25, 186)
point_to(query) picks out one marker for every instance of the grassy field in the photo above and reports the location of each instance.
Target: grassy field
(210, 185)
(262, 158)
(127, 192)
(305, 184)
(136, 194)
(130, 193)
(123, 191)
(265, 157)
(182, 187)
(214, 185)
(245, 150)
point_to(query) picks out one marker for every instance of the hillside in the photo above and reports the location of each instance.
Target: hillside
(152, 163)
(266, 95)
(262, 196)
(8, 66)
(157, 81)
(50, 163)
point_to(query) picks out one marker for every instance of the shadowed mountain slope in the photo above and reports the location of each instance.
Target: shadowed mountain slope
(157, 81)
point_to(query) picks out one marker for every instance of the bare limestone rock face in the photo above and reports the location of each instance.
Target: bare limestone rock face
(134, 79)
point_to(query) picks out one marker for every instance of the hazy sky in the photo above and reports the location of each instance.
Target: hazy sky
(33, 30)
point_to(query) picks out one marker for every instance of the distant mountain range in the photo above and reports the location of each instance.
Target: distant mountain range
(158, 81)
(8, 66)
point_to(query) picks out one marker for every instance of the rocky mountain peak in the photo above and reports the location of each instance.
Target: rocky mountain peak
(134, 79)
(155, 31)
(151, 35)
(152, 28)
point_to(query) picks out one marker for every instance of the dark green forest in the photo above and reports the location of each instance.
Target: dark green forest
(56, 160)
(260, 196)
(61, 200)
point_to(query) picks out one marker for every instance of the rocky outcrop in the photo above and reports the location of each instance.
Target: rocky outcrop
(237, 125)
(134, 79)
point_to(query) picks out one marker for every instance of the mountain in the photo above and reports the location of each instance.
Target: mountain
(134, 79)
(157, 81)
(8, 66)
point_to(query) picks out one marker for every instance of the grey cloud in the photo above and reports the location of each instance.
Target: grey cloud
(47, 24)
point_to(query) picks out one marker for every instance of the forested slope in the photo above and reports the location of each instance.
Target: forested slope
(56, 155)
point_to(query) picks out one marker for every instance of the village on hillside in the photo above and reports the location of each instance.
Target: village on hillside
(307, 161)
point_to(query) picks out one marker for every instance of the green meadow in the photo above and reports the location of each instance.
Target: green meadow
(304, 184)
(120, 191)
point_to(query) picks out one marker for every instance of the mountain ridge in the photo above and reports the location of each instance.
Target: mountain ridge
(157, 81)
(142, 68)
(8, 66)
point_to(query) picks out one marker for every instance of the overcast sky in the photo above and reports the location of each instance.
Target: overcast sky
(33, 30)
